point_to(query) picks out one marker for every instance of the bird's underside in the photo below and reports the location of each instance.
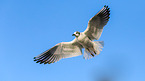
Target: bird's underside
(82, 40)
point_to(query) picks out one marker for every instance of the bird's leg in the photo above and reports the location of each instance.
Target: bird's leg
(94, 50)
(90, 52)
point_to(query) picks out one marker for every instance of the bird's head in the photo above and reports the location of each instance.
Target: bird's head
(76, 34)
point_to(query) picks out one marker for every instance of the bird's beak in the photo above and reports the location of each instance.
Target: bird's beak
(73, 34)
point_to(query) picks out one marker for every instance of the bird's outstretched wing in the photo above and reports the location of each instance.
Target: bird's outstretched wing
(96, 24)
(59, 51)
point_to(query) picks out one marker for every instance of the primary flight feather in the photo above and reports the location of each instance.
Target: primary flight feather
(82, 40)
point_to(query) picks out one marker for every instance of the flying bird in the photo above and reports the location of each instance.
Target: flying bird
(82, 40)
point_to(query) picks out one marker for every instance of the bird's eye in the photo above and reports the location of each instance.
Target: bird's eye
(77, 32)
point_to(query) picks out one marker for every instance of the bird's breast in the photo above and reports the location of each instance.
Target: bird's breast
(84, 40)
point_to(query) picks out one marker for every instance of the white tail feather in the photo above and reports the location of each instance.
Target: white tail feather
(98, 45)
(87, 55)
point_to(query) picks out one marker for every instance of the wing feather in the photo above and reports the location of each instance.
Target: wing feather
(96, 23)
(59, 51)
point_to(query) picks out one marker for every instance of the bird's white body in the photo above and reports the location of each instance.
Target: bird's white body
(84, 40)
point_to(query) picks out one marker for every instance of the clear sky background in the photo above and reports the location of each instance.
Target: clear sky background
(29, 27)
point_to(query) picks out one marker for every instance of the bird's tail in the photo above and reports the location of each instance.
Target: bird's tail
(98, 45)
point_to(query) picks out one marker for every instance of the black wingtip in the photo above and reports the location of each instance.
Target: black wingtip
(108, 13)
(35, 60)
(45, 62)
(108, 17)
(41, 62)
(106, 6)
(108, 10)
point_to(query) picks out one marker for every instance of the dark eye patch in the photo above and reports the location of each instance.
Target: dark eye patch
(77, 32)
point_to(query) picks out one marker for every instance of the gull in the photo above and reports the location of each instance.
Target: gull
(82, 40)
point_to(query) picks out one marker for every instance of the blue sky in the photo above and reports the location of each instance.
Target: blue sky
(29, 27)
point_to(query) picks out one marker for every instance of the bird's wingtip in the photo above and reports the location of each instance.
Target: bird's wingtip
(34, 57)
(106, 6)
